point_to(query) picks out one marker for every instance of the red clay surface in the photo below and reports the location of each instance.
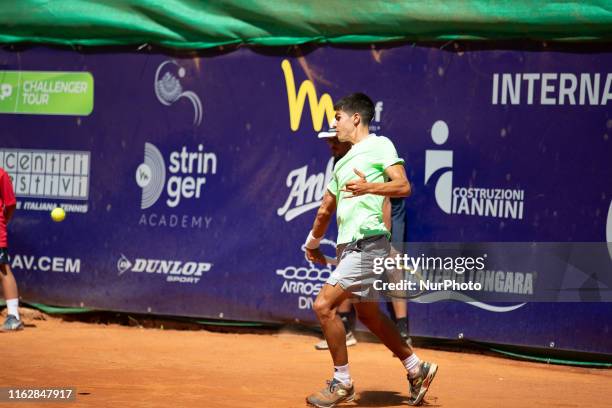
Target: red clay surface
(120, 366)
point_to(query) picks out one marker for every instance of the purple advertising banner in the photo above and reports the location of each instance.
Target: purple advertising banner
(192, 184)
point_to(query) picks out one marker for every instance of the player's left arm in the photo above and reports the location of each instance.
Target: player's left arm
(8, 212)
(8, 196)
(397, 186)
(386, 210)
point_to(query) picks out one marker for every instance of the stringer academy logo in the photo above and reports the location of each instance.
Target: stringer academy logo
(169, 178)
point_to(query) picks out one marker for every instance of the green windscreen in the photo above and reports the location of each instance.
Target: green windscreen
(196, 24)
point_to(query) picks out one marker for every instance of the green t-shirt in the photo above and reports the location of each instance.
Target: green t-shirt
(361, 217)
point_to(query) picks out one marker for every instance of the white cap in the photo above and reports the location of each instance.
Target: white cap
(331, 132)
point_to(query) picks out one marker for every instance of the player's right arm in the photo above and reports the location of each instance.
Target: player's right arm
(321, 222)
(324, 214)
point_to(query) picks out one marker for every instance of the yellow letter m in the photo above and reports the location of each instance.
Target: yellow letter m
(318, 108)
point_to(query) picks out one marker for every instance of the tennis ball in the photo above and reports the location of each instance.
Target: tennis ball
(58, 214)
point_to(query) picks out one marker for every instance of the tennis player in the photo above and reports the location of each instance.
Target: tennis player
(370, 171)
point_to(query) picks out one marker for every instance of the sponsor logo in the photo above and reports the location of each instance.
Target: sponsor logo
(187, 174)
(46, 93)
(320, 108)
(58, 264)
(151, 176)
(6, 90)
(183, 179)
(173, 271)
(305, 282)
(306, 191)
(38, 176)
(484, 202)
(375, 124)
(551, 89)
(168, 88)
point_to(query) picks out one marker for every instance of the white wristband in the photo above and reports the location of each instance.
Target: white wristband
(312, 242)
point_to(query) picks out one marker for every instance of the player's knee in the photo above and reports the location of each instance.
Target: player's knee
(323, 309)
(319, 306)
(4, 271)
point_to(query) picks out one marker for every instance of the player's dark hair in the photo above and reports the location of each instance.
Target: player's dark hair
(357, 103)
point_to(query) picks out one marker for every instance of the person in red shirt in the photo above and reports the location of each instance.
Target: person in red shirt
(9, 285)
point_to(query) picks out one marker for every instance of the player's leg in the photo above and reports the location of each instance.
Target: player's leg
(345, 310)
(11, 296)
(382, 327)
(420, 373)
(340, 388)
(398, 299)
(325, 306)
(398, 237)
(400, 309)
(345, 313)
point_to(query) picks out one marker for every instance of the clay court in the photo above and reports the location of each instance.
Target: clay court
(122, 366)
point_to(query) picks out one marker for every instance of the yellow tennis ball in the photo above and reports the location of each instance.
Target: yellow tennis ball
(58, 214)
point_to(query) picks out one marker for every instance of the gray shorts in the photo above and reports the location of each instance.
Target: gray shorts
(355, 270)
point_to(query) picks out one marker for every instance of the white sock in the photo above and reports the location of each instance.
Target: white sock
(341, 373)
(413, 365)
(12, 305)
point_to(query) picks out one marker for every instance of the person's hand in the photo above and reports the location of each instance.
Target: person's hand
(315, 255)
(356, 187)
